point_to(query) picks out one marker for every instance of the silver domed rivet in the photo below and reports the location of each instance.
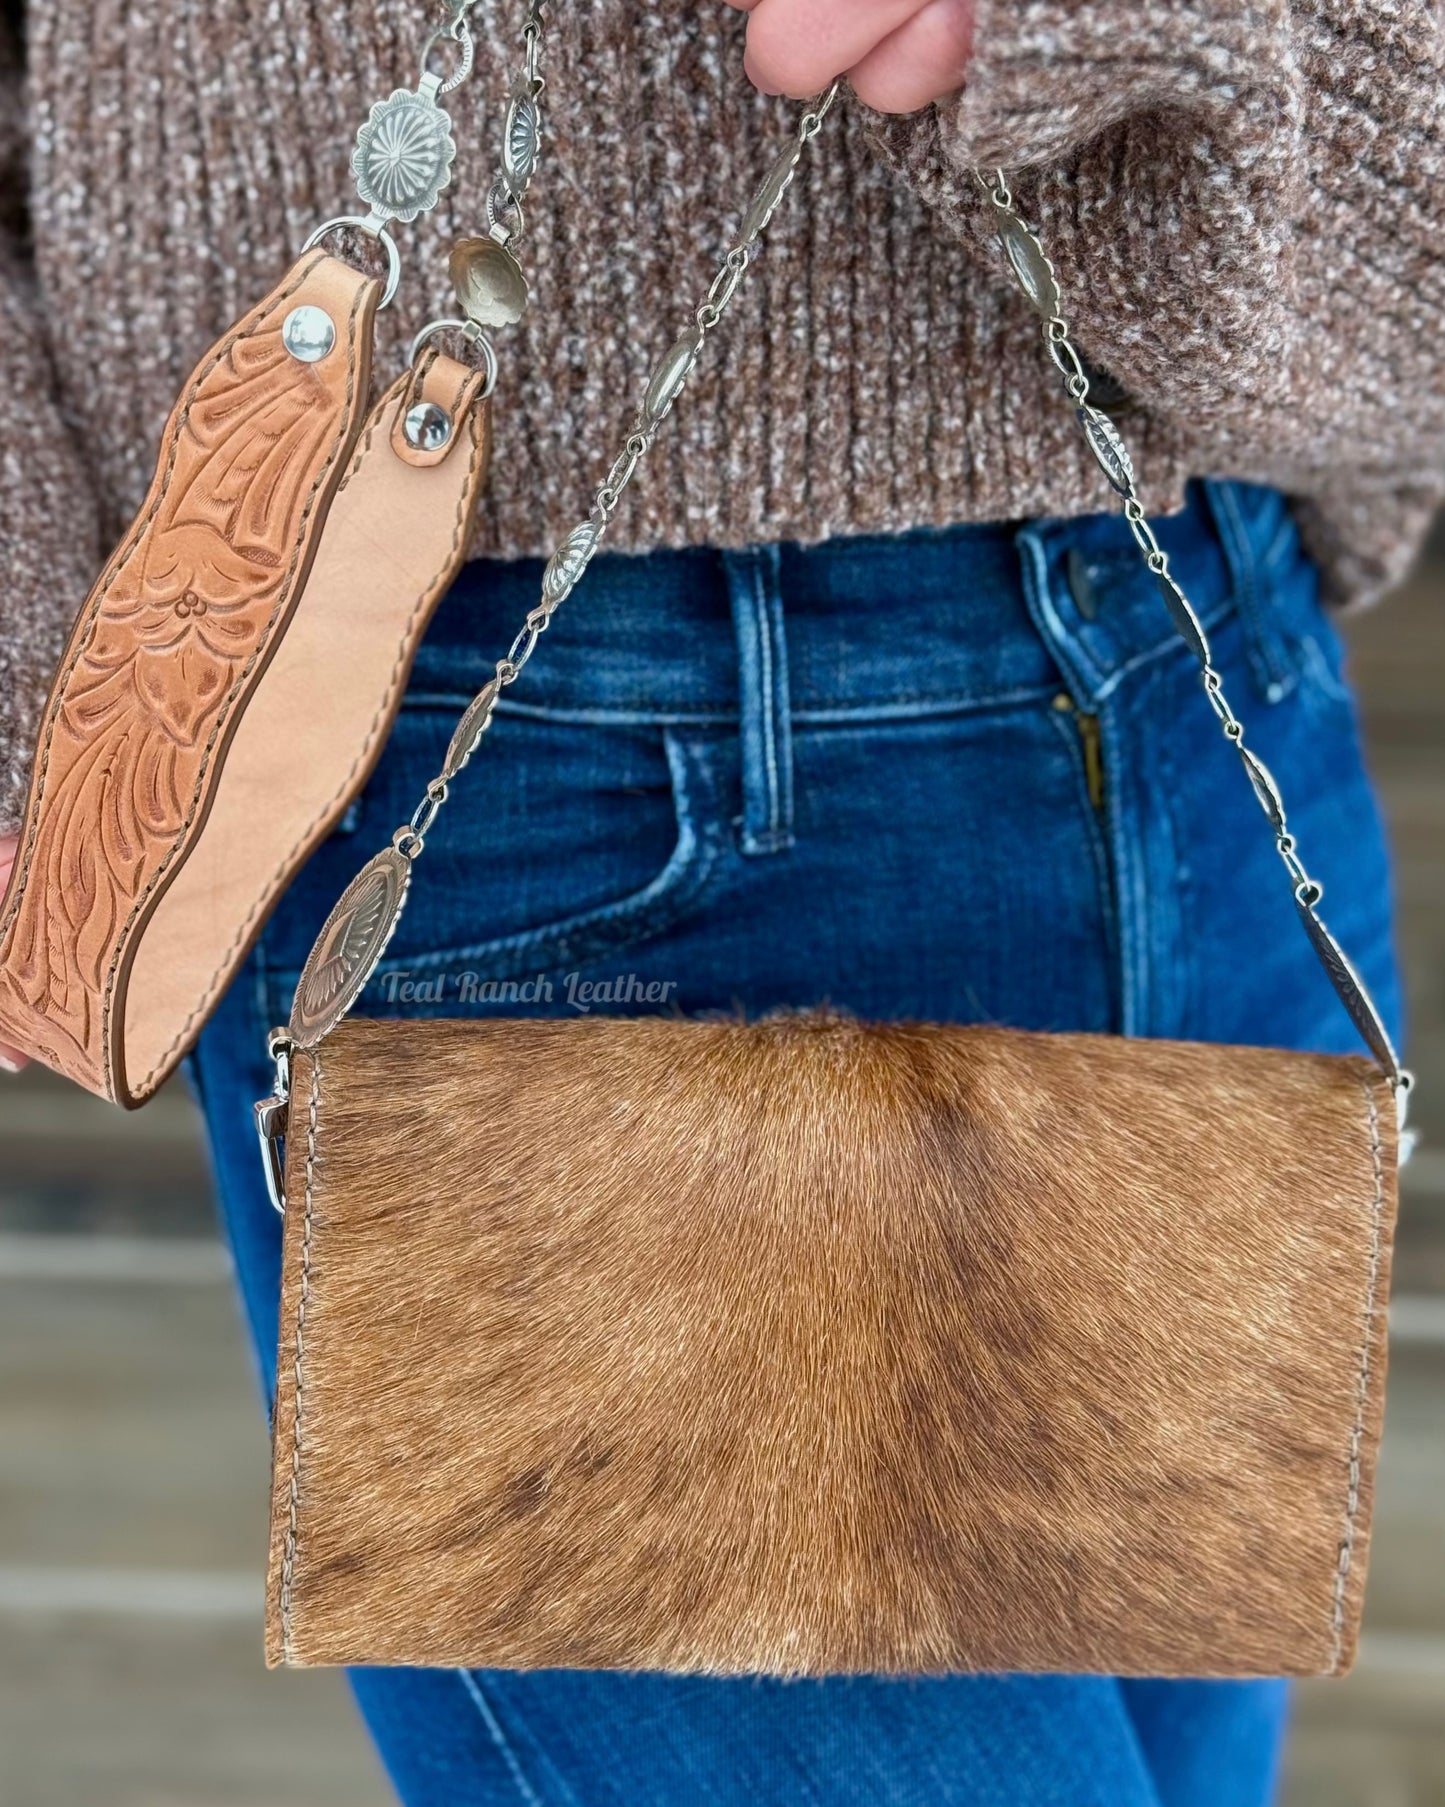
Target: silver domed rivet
(308, 334)
(428, 427)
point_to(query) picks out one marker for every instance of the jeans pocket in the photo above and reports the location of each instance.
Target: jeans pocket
(564, 843)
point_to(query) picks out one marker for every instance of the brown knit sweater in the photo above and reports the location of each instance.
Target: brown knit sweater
(1244, 199)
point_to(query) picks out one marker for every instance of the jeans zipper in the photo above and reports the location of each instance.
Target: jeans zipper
(1091, 741)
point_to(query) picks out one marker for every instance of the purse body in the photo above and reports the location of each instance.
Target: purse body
(806, 1347)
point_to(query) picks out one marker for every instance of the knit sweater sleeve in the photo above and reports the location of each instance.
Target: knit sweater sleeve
(48, 531)
(1244, 204)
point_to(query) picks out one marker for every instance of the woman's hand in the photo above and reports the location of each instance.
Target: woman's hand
(898, 55)
(10, 1058)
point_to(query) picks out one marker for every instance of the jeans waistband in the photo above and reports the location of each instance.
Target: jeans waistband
(872, 627)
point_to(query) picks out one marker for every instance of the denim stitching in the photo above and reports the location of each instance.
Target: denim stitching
(1285, 538)
(1180, 963)
(1132, 887)
(499, 1738)
(773, 700)
(768, 699)
(1165, 649)
(1082, 669)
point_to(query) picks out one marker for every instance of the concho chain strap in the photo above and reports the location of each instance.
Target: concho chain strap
(356, 934)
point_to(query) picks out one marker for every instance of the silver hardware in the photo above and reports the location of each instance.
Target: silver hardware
(1028, 260)
(271, 1115)
(1032, 270)
(1109, 449)
(427, 427)
(521, 141)
(457, 32)
(352, 940)
(765, 202)
(1265, 789)
(667, 380)
(271, 1118)
(405, 149)
(404, 154)
(357, 931)
(476, 719)
(308, 333)
(373, 227)
(490, 285)
(505, 222)
(1186, 622)
(501, 289)
(569, 561)
(474, 336)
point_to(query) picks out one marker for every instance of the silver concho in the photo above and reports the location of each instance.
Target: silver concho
(672, 372)
(1265, 789)
(404, 154)
(1182, 613)
(568, 562)
(469, 730)
(1029, 262)
(764, 203)
(349, 946)
(1109, 449)
(521, 141)
(489, 283)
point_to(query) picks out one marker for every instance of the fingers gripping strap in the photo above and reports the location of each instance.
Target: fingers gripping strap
(166, 654)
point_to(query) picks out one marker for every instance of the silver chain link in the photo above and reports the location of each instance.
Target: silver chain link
(564, 569)
(1031, 268)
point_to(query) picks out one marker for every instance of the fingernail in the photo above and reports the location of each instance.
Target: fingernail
(9, 1066)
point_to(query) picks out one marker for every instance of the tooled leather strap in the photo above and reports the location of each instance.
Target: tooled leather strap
(166, 653)
(395, 538)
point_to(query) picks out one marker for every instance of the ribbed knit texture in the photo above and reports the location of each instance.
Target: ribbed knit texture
(1244, 202)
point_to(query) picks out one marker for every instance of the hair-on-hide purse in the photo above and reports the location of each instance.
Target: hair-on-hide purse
(809, 1346)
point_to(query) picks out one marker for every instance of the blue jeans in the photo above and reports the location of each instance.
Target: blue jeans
(958, 775)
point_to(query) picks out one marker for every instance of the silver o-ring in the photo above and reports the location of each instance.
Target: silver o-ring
(473, 335)
(373, 228)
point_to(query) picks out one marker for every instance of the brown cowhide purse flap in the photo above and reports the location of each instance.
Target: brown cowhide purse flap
(809, 1346)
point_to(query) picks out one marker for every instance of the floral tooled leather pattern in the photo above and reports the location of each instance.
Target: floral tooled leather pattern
(164, 656)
